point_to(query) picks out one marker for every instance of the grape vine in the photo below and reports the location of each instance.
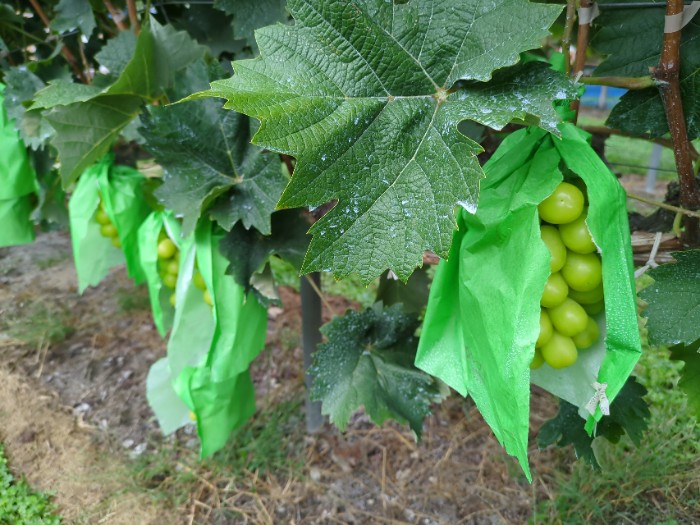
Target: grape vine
(408, 129)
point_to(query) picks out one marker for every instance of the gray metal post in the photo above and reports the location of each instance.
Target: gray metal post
(311, 336)
(603, 97)
(654, 163)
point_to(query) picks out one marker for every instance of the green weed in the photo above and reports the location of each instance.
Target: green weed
(135, 298)
(19, 503)
(658, 482)
(40, 322)
(50, 262)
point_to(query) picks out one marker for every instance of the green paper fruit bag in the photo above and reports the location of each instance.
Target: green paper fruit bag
(17, 184)
(483, 315)
(106, 210)
(217, 332)
(159, 252)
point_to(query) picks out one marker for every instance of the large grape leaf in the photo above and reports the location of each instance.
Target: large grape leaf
(632, 39)
(673, 300)
(690, 375)
(368, 361)
(209, 161)
(361, 94)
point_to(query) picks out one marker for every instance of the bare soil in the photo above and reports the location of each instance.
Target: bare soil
(72, 397)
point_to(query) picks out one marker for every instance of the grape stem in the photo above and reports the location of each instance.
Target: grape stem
(622, 82)
(670, 207)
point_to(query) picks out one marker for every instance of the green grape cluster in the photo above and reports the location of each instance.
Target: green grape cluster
(107, 227)
(168, 262)
(574, 290)
(169, 266)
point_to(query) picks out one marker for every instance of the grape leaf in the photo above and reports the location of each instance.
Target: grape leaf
(159, 52)
(624, 35)
(86, 130)
(690, 374)
(413, 294)
(368, 361)
(567, 428)
(249, 15)
(360, 93)
(117, 53)
(673, 300)
(21, 85)
(62, 92)
(629, 414)
(210, 28)
(74, 13)
(210, 163)
(247, 250)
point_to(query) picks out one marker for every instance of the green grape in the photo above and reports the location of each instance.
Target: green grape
(207, 298)
(576, 235)
(555, 291)
(589, 335)
(564, 205)
(595, 308)
(537, 360)
(589, 297)
(170, 280)
(582, 272)
(569, 318)
(172, 299)
(172, 267)
(166, 249)
(560, 351)
(102, 218)
(546, 329)
(198, 280)
(108, 230)
(116, 242)
(557, 249)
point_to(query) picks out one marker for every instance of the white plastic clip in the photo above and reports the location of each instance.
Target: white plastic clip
(651, 263)
(599, 399)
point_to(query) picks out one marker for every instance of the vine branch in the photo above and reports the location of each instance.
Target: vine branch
(116, 15)
(566, 38)
(605, 131)
(133, 16)
(665, 206)
(581, 47)
(668, 72)
(70, 58)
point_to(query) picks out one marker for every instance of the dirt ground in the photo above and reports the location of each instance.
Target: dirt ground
(72, 393)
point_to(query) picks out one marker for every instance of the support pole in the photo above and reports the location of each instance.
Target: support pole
(311, 337)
